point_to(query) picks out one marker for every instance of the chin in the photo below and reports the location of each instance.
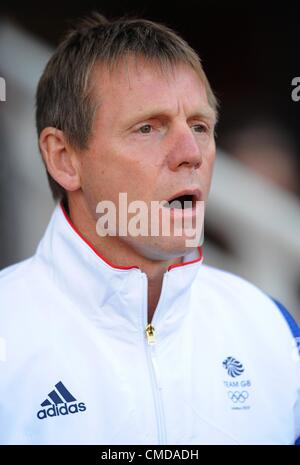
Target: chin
(162, 248)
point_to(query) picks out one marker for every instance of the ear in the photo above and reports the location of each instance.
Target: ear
(61, 160)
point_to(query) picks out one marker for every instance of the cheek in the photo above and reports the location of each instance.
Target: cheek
(96, 177)
(92, 174)
(138, 175)
(110, 169)
(207, 169)
(211, 156)
(211, 161)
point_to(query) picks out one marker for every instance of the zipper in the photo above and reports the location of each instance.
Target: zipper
(150, 349)
(150, 330)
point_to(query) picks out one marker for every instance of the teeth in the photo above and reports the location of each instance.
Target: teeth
(176, 204)
(180, 203)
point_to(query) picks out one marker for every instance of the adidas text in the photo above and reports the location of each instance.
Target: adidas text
(64, 409)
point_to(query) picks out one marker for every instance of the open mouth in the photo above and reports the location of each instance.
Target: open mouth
(183, 201)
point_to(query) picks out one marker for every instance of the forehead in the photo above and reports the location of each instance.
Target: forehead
(136, 84)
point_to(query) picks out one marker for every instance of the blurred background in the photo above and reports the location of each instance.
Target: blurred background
(250, 54)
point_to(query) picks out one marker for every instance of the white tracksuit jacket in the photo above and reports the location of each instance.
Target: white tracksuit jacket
(77, 367)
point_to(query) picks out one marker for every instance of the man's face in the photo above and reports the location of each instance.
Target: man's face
(152, 138)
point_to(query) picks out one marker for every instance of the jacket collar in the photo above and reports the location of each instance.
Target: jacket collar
(109, 295)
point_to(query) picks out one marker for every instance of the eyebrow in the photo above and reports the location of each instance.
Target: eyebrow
(207, 114)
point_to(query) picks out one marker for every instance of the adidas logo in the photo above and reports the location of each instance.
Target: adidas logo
(62, 403)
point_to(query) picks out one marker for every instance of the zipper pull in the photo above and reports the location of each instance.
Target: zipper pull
(150, 334)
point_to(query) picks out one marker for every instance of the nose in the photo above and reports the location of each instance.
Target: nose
(185, 150)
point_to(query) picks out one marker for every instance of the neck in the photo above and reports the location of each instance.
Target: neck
(119, 253)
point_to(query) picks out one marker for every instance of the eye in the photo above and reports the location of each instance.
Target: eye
(145, 129)
(200, 128)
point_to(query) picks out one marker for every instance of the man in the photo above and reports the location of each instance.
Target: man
(125, 338)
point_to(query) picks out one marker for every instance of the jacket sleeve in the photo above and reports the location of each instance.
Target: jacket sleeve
(296, 334)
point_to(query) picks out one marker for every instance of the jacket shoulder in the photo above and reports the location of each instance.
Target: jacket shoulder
(19, 283)
(236, 290)
(228, 282)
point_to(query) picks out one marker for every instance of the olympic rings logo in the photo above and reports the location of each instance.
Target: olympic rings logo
(237, 396)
